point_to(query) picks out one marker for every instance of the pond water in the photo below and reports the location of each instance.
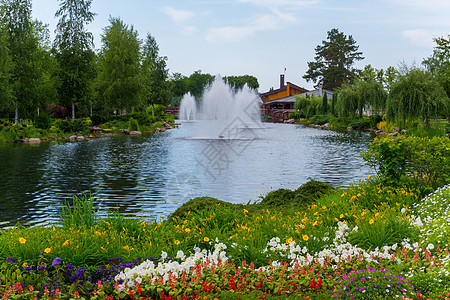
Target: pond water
(152, 175)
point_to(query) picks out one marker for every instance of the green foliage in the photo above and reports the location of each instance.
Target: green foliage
(439, 63)
(120, 84)
(197, 205)
(154, 72)
(238, 82)
(133, 125)
(360, 124)
(320, 119)
(81, 213)
(77, 126)
(303, 196)
(324, 104)
(416, 95)
(43, 121)
(334, 60)
(308, 105)
(360, 97)
(425, 161)
(294, 115)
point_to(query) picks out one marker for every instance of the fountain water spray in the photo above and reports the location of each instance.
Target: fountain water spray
(223, 112)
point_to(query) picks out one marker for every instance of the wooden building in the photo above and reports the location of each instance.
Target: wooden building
(285, 90)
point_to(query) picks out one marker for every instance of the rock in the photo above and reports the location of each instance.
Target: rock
(163, 129)
(135, 133)
(326, 125)
(393, 134)
(167, 125)
(80, 138)
(150, 131)
(126, 131)
(72, 138)
(34, 140)
(404, 131)
(290, 121)
(349, 128)
(158, 130)
(395, 129)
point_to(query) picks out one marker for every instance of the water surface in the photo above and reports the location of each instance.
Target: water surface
(150, 176)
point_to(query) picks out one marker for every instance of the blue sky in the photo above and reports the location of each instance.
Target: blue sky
(262, 37)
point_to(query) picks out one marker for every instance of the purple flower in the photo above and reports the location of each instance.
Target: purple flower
(28, 268)
(56, 261)
(42, 268)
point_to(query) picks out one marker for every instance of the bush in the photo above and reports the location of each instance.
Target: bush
(133, 125)
(297, 115)
(43, 121)
(75, 126)
(97, 120)
(320, 119)
(425, 161)
(360, 123)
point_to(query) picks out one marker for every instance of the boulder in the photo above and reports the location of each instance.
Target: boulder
(34, 140)
(393, 134)
(395, 129)
(80, 138)
(72, 138)
(349, 128)
(135, 133)
(290, 121)
(167, 125)
(126, 131)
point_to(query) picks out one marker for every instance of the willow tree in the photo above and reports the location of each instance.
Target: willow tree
(5, 69)
(361, 97)
(75, 56)
(417, 95)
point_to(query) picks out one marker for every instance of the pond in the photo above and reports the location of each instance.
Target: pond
(150, 176)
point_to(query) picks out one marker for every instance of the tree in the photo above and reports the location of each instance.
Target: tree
(308, 105)
(417, 95)
(22, 44)
(75, 56)
(333, 65)
(198, 82)
(5, 69)
(362, 96)
(238, 82)
(180, 84)
(119, 67)
(324, 104)
(156, 88)
(439, 63)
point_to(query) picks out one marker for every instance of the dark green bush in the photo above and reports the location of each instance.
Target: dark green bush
(75, 126)
(360, 123)
(297, 115)
(197, 205)
(97, 119)
(43, 121)
(320, 119)
(374, 120)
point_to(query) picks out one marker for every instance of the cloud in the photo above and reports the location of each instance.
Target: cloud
(239, 33)
(429, 4)
(421, 37)
(280, 3)
(178, 16)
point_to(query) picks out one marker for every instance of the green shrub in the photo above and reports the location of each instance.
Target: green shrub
(43, 121)
(360, 124)
(426, 161)
(297, 115)
(97, 119)
(320, 119)
(75, 126)
(80, 213)
(133, 125)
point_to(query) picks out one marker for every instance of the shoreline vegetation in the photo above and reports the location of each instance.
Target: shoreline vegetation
(385, 237)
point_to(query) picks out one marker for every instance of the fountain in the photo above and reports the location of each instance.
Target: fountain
(188, 107)
(223, 113)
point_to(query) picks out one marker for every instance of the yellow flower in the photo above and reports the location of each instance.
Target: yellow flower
(305, 237)
(289, 240)
(371, 221)
(107, 223)
(315, 223)
(177, 242)
(25, 264)
(206, 239)
(103, 248)
(370, 176)
(66, 243)
(47, 250)
(143, 223)
(336, 219)
(22, 240)
(187, 230)
(341, 216)
(324, 207)
(303, 226)
(245, 211)
(126, 248)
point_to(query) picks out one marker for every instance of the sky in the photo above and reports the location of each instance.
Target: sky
(264, 37)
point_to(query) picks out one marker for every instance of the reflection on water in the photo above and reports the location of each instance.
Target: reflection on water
(150, 176)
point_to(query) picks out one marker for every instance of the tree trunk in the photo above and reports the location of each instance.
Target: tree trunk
(73, 112)
(91, 111)
(38, 111)
(16, 122)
